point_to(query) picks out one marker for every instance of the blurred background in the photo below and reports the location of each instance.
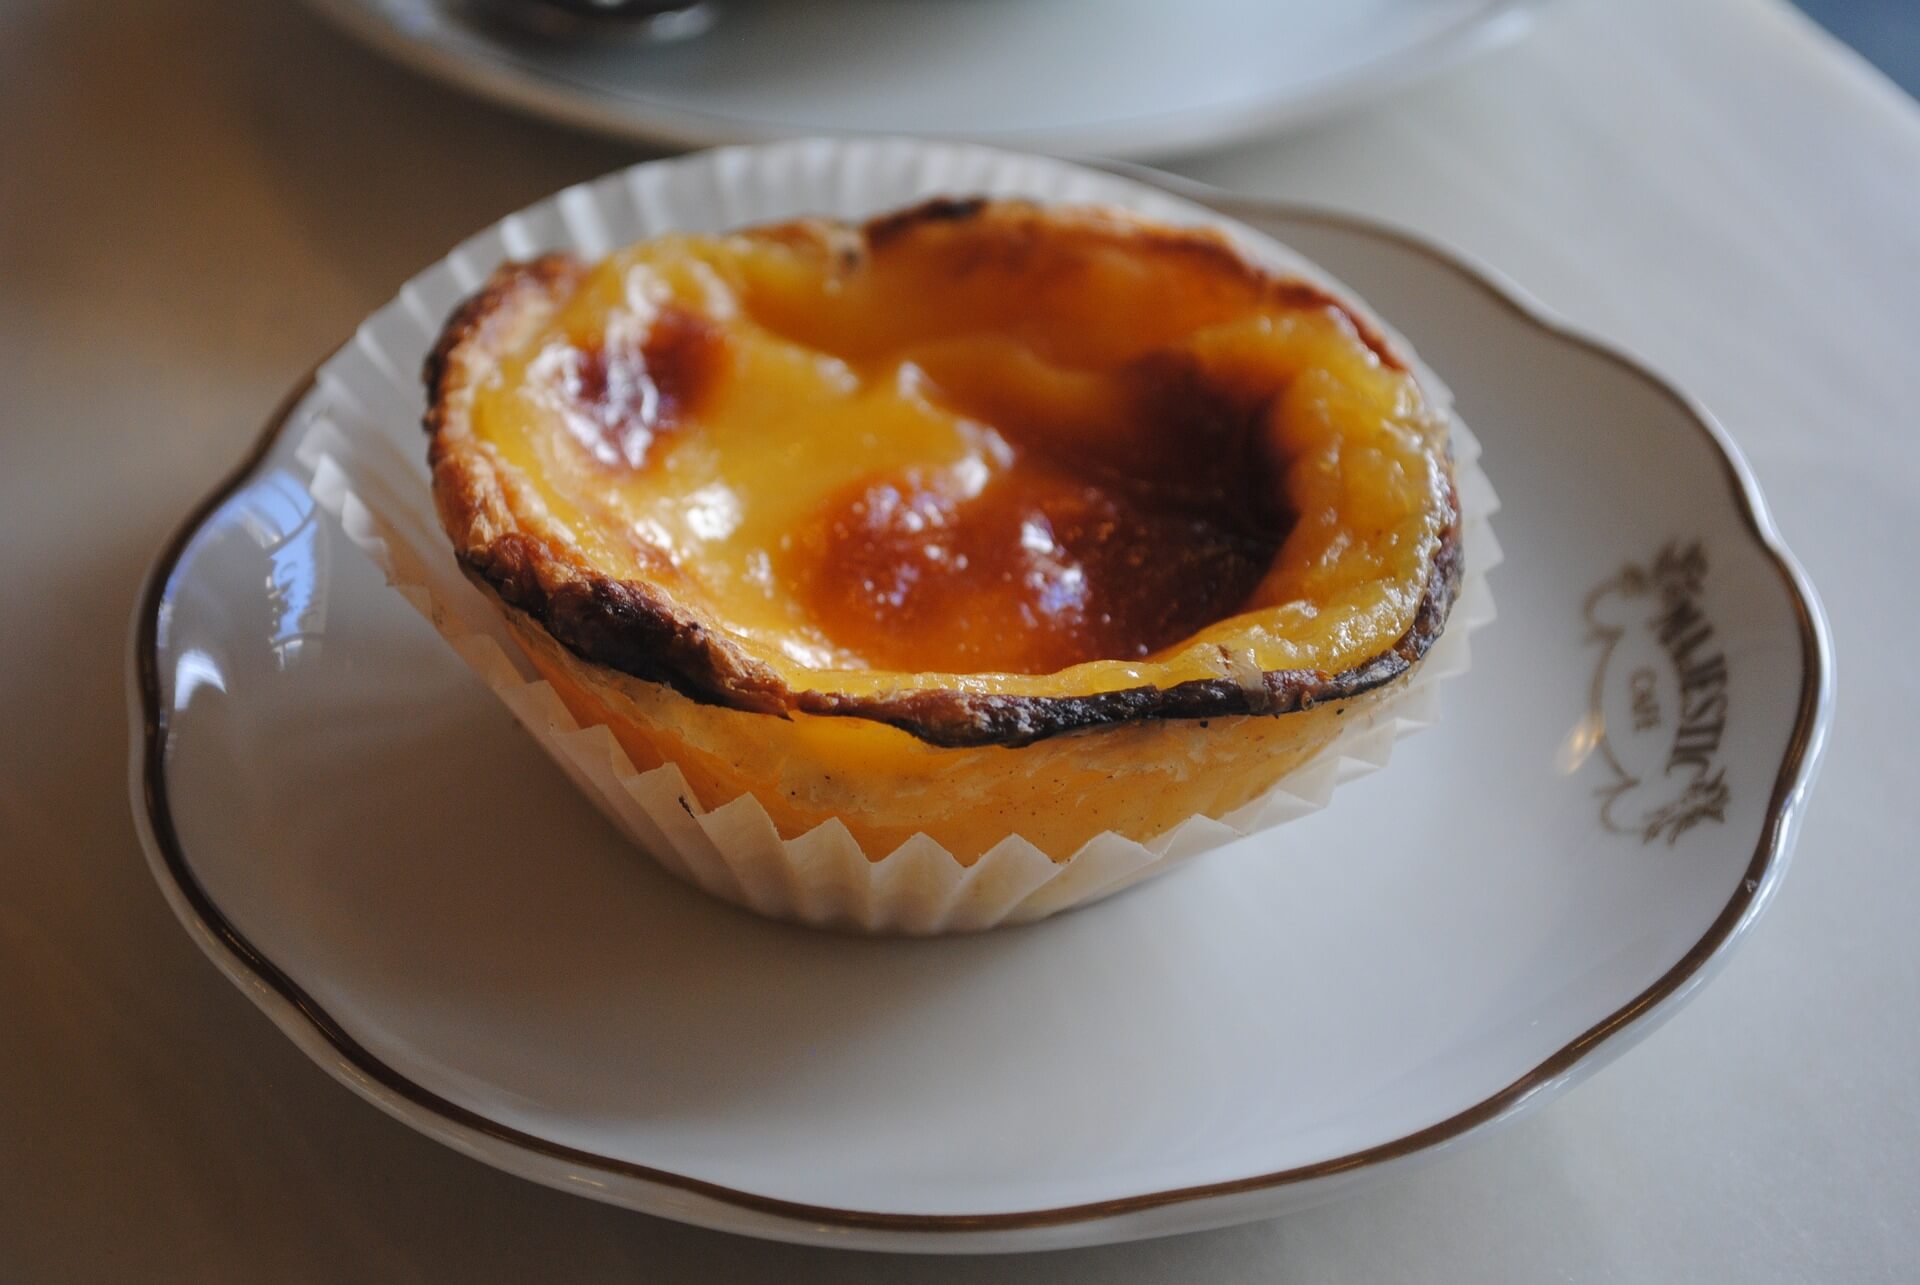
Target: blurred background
(1109, 78)
(1886, 31)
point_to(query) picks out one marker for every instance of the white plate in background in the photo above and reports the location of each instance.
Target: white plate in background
(1122, 78)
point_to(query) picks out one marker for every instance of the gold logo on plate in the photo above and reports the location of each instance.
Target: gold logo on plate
(1658, 710)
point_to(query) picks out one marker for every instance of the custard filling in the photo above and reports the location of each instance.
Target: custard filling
(932, 460)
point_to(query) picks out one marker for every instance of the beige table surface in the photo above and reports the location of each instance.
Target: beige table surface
(198, 198)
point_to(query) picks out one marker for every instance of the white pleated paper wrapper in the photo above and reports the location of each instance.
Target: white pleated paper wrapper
(367, 456)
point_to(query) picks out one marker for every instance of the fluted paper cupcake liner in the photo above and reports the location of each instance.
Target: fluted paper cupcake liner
(366, 452)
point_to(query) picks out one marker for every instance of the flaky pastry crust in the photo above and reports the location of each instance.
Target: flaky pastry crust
(639, 630)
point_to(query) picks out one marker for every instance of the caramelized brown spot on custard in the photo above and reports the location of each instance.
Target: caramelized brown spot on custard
(938, 209)
(1041, 570)
(620, 396)
(1128, 510)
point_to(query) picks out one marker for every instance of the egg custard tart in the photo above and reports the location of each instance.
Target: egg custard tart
(978, 519)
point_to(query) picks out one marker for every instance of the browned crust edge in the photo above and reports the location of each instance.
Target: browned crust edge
(630, 627)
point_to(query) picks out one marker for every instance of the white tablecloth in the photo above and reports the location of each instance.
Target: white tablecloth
(197, 199)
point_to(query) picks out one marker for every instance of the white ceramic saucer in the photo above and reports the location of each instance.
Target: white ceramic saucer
(358, 834)
(1080, 77)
